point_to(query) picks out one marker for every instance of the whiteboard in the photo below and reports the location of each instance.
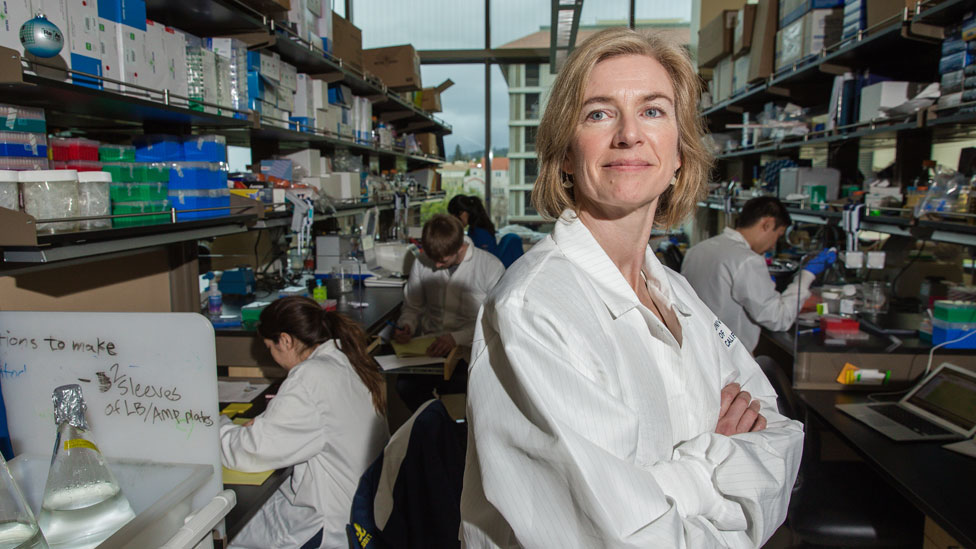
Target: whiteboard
(149, 380)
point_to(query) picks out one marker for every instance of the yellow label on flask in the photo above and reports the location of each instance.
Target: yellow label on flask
(80, 443)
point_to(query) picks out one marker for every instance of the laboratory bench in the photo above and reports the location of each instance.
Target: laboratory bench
(810, 363)
(940, 482)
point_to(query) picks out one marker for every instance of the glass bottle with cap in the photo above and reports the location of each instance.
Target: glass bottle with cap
(83, 504)
(18, 529)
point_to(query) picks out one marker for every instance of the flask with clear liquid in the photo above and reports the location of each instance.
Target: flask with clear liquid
(18, 529)
(83, 504)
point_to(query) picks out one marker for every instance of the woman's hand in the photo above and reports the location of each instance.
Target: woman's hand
(403, 334)
(738, 412)
(441, 346)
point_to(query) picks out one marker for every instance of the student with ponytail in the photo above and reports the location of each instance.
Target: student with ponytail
(327, 421)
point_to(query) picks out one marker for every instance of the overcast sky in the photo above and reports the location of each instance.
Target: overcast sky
(459, 24)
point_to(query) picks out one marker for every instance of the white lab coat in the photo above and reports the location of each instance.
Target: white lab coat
(322, 422)
(734, 282)
(591, 427)
(438, 302)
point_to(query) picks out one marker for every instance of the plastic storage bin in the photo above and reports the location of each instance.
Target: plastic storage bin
(51, 194)
(943, 331)
(205, 148)
(77, 165)
(197, 176)
(23, 144)
(22, 119)
(9, 193)
(200, 199)
(954, 311)
(160, 495)
(74, 149)
(138, 192)
(158, 148)
(120, 208)
(23, 163)
(117, 153)
(94, 199)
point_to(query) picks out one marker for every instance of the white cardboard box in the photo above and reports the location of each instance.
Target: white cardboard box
(740, 73)
(288, 76)
(304, 96)
(808, 35)
(108, 50)
(310, 159)
(285, 99)
(270, 67)
(83, 38)
(320, 94)
(341, 185)
(884, 95)
(174, 44)
(723, 78)
(132, 55)
(155, 55)
(15, 14)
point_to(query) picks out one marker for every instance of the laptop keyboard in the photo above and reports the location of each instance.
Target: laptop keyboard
(910, 420)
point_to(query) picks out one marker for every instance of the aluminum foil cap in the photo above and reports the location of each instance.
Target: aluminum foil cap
(69, 406)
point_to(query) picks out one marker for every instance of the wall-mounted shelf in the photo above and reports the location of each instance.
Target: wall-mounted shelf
(942, 231)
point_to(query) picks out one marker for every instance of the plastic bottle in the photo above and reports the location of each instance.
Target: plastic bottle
(215, 302)
(83, 504)
(320, 294)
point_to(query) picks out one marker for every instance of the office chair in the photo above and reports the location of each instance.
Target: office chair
(410, 497)
(840, 503)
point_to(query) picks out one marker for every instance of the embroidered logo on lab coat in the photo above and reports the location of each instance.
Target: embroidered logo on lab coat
(724, 333)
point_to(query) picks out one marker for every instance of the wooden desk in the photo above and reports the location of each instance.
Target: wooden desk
(941, 483)
(816, 365)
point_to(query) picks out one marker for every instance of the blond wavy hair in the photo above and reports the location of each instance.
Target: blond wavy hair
(557, 129)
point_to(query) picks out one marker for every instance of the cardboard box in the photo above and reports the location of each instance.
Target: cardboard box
(304, 97)
(763, 48)
(397, 66)
(341, 185)
(740, 74)
(808, 35)
(155, 56)
(132, 55)
(309, 159)
(428, 143)
(429, 99)
(82, 39)
(174, 44)
(14, 14)
(347, 41)
(715, 39)
(289, 76)
(320, 94)
(126, 12)
(108, 49)
(745, 20)
(285, 99)
(885, 95)
(791, 10)
(879, 10)
(723, 79)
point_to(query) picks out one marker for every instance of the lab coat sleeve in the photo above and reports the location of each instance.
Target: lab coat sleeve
(753, 289)
(555, 454)
(488, 277)
(413, 298)
(290, 431)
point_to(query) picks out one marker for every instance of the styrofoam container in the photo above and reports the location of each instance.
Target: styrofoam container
(160, 495)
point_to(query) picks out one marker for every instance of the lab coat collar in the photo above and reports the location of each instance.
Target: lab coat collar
(469, 252)
(576, 241)
(736, 237)
(323, 350)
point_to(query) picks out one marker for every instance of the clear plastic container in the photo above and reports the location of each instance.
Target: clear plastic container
(77, 165)
(23, 144)
(51, 194)
(22, 119)
(93, 199)
(9, 193)
(21, 163)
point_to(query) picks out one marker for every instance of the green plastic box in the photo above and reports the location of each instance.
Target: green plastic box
(955, 311)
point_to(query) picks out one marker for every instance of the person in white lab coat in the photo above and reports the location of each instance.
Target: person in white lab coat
(607, 405)
(446, 287)
(729, 272)
(327, 421)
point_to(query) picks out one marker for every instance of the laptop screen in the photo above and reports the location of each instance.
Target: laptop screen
(950, 395)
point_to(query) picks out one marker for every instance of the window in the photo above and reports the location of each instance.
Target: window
(530, 133)
(531, 170)
(531, 106)
(529, 210)
(531, 75)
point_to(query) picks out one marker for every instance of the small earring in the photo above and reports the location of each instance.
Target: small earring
(566, 181)
(674, 179)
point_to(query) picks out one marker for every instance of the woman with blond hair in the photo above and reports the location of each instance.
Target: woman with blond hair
(608, 406)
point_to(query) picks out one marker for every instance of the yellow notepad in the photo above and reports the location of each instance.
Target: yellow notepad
(250, 479)
(232, 410)
(242, 420)
(415, 347)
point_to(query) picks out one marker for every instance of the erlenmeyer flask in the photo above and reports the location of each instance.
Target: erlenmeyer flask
(82, 504)
(18, 529)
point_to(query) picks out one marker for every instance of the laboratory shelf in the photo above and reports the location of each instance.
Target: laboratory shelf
(876, 128)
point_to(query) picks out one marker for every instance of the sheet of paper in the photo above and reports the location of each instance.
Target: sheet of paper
(239, 391)
(965, 447)
(232, 410)
(249, 479)
(392, 362)
(415, 347)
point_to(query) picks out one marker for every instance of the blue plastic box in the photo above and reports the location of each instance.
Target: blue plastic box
(158, 148)
(205, 148)
(197, 176)
(943, 331)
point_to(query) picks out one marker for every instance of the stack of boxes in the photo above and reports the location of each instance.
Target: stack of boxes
(198, 178)
(23, 141)
(953, 320)
(139, 182)
(75, 154)
(855, 18)
(958, 64)
(271, 87)
(805, 28)
(312, 21)
(201, 67)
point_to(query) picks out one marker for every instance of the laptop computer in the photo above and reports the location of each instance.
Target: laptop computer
(940, 407)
